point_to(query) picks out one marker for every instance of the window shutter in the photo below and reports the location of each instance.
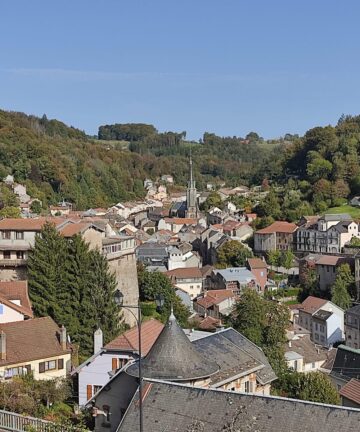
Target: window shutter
(42, 367)
(88, 391)
(28, 368)
(61, 364)
(114, 363)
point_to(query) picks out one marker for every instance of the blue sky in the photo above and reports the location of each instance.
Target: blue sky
(222, 66)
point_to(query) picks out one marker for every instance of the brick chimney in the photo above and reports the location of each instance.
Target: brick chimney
(2, 345)
(63, 341)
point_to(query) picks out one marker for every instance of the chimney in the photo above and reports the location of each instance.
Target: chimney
(2, 345)
(98, 340)
(63, 338)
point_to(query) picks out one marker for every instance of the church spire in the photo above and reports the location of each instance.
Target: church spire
(191, 194)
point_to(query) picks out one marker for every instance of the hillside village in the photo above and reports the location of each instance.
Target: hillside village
(215, 259)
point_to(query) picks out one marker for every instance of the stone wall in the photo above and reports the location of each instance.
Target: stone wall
(125, 272)
(13, 273)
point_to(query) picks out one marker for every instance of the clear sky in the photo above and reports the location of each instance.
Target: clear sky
(222, 66)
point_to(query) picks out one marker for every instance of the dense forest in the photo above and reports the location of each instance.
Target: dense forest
(57, 162)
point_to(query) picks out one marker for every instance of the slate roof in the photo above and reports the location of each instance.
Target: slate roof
(337, 217)
(351, 391)
(173, 357)
(354, 310)
(322, 315)
(238, 274)
(307, 349)
(347, 363)
(29, 340)
(175, 408)
(264, 375)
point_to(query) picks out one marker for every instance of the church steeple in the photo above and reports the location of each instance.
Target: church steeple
(191, 194)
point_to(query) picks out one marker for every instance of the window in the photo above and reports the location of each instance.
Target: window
(313, 365)
(7, 254)
(19, 235)
(191, 286)
(96, 388)
(322, 339)
(316, 326)
(247, 387)
(1, 309)
(6, 235)
(20, 255)
(50, 365)
(316, 336)
(17, 371)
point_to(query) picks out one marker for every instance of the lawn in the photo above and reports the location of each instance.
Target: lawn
(352, 211)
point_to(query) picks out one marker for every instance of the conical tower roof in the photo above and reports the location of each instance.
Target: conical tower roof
(174, 358)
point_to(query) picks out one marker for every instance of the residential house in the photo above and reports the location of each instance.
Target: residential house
(326, 266)
(15, 304)
(59, 210)
(326, 234)
(92, 234)
(182, 256)
(175, 224)
(152, 253)
(188, 279)
(302, 355)
(323, 319)
(235, 279)
(346, 366)
(17, 237)
(37, 345)
(238, 230)
(97, 370)
(352, 327)
(215, 303)
(355, 201)
(167, 178)
(20, 191)
(258, 268)
(278, 236)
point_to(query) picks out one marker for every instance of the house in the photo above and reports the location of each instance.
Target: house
(17, 237)
(92, 234)
(350, 394)
(277, 236)
(37, 345)
(62, 210)
(346, 366)
(97, 370)
(167, 178)
(258, 268)
(235, 279)
(302, 355)
(20, 191)
(182, 256)
(152, 253)
(326, 266)
(352, 327)
(239, 230)
(223, 360)
(323, 319)
(355, 201)
(215, 303)
(188, 279)
(175, 224)
(15, 304)
(325, 234)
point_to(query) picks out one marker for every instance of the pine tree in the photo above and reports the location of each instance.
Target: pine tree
(45, 266)
(340, 289)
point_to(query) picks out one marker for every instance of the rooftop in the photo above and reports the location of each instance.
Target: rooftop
(329, 260)
(239, 274)
(30, 224)
(185, 273)
(351, 391)
(30, 340)
(16, 290)
(307, 349)
(176, 408)
(322, 315)
(279, 226)
(257, 263)
(311, 304)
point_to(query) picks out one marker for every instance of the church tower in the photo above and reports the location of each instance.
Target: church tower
(191, 198)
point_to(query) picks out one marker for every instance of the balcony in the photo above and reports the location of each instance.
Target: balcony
(12, 262)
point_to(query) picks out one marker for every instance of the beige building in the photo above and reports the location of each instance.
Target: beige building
(38, 346)
(189, 280)
(277, 236)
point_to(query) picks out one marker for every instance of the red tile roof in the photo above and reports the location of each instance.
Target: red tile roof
(351, 391)
(279, 226)
(35, 224)
(209, 323)
(16, 290)
(129, 340)
(329, 260)
(71, 229)
(257, 263)
(184, 273)
(30, 340)
(311, 304)
(213, 297)
(181, 221)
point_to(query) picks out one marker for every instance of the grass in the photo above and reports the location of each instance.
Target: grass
(352, 211)
(291, 302)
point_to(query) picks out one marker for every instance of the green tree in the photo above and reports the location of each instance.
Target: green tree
(36, 207)
(287, 259)
(270, 206)
(341, 288)
(274, 258)
(233, 254)
(312, 386)
(213, 200)
(10, 212)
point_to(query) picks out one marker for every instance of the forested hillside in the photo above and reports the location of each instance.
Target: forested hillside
(58, 162)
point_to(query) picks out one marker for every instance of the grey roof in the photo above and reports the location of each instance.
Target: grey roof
(322, 315)
(264, 375)
(232, 360)
(354, 310)
(347, 363)
(306, 349)
(337, 217)
(173, 357)
(238, 274)
(173, 407)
